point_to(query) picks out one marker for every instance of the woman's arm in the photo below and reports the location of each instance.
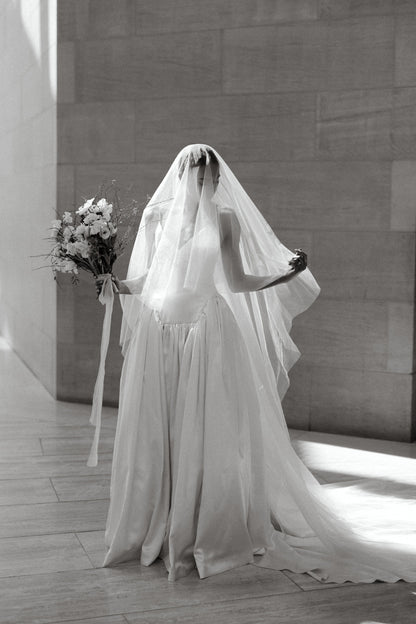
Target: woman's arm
(238, 280)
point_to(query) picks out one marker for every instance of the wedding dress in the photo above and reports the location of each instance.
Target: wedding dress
(204, 474)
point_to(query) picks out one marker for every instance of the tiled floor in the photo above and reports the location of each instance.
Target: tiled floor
(52, 517)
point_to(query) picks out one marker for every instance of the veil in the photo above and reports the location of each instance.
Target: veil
(178, 249)
(176, 264)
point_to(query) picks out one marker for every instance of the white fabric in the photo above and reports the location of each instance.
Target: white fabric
(204, 473)
(106, 298)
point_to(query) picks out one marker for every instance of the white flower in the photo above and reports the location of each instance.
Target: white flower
(71, 248)
(68, 231)
(86, 206)
(64, 265)
(104, 207)
(82, 231)
(83, 248)
(67, 218)
(96, 226)
(90, 218)
(56, 224)
(102, 203)
(105, 232)
(69, 266)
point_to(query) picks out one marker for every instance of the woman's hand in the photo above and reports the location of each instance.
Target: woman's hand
(299, 262)
(118, 287)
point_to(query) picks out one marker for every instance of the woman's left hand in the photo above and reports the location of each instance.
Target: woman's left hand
(299, 262)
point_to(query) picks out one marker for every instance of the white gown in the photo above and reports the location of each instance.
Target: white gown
(204, 474)
(198, 481)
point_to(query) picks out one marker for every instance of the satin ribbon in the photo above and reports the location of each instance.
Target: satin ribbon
(106, 298)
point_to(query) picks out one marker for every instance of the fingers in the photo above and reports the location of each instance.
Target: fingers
(300, 261)
(98, 286)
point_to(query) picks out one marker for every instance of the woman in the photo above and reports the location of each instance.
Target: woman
(203, 470)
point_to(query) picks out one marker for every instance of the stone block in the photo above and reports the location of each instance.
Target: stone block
(167, 16)
(405, 69)
(360, 53)
(365, 265)
(335, 9)
(403, 194)
(242, 128)
(65, 300)
(149, 66)
(404, 7)
(319, 55)
(99, 132)
(136, 180)
(361, 402)
(77, 369)
(344, 334)
(268, 59)
(66, 72)
(355, 125)
(319, 196)
(95, 19)
(89, 315)
(404, 124)
(65, 185)
(297, 239)
(107, 18)
(401, 337)
(72, 19)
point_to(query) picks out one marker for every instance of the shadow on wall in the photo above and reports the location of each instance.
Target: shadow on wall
(28, 52)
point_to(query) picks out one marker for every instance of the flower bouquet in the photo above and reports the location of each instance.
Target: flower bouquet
(89, 239)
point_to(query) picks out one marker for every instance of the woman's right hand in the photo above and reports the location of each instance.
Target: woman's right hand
(299, 262)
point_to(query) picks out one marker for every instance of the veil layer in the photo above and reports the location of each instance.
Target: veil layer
(176, 265)
(178, 250)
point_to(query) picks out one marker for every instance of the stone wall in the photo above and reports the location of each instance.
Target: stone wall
(28, 180)
(313, 105)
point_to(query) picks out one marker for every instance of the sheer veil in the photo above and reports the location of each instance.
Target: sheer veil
(178, 248)
(176, 264)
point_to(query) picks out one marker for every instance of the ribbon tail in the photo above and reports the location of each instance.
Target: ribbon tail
(97, 401)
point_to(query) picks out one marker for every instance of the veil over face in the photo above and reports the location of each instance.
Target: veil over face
(177, 255)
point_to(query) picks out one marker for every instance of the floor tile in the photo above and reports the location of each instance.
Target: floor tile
(76, 445)
(19, 447)
(52, 466)
(47, 598)
(346, 605)
(82, 488)
(41, 553)
(46, 518)
(26, 491)
(93, 544)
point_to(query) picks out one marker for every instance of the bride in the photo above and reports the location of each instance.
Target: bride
(204, 474)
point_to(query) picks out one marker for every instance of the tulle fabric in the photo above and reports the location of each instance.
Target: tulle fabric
(204, 474)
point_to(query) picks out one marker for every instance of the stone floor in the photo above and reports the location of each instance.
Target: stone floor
(52, 517)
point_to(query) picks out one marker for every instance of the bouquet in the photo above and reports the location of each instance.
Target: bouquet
(90, 239)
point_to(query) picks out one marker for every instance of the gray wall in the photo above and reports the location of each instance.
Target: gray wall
(313, 104)
(28, 180)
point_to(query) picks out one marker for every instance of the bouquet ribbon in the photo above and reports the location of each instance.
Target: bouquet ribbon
(106, 298)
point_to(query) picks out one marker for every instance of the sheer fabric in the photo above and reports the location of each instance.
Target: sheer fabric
(204, 473)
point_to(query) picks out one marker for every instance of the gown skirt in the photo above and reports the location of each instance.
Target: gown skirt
(204, 474)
